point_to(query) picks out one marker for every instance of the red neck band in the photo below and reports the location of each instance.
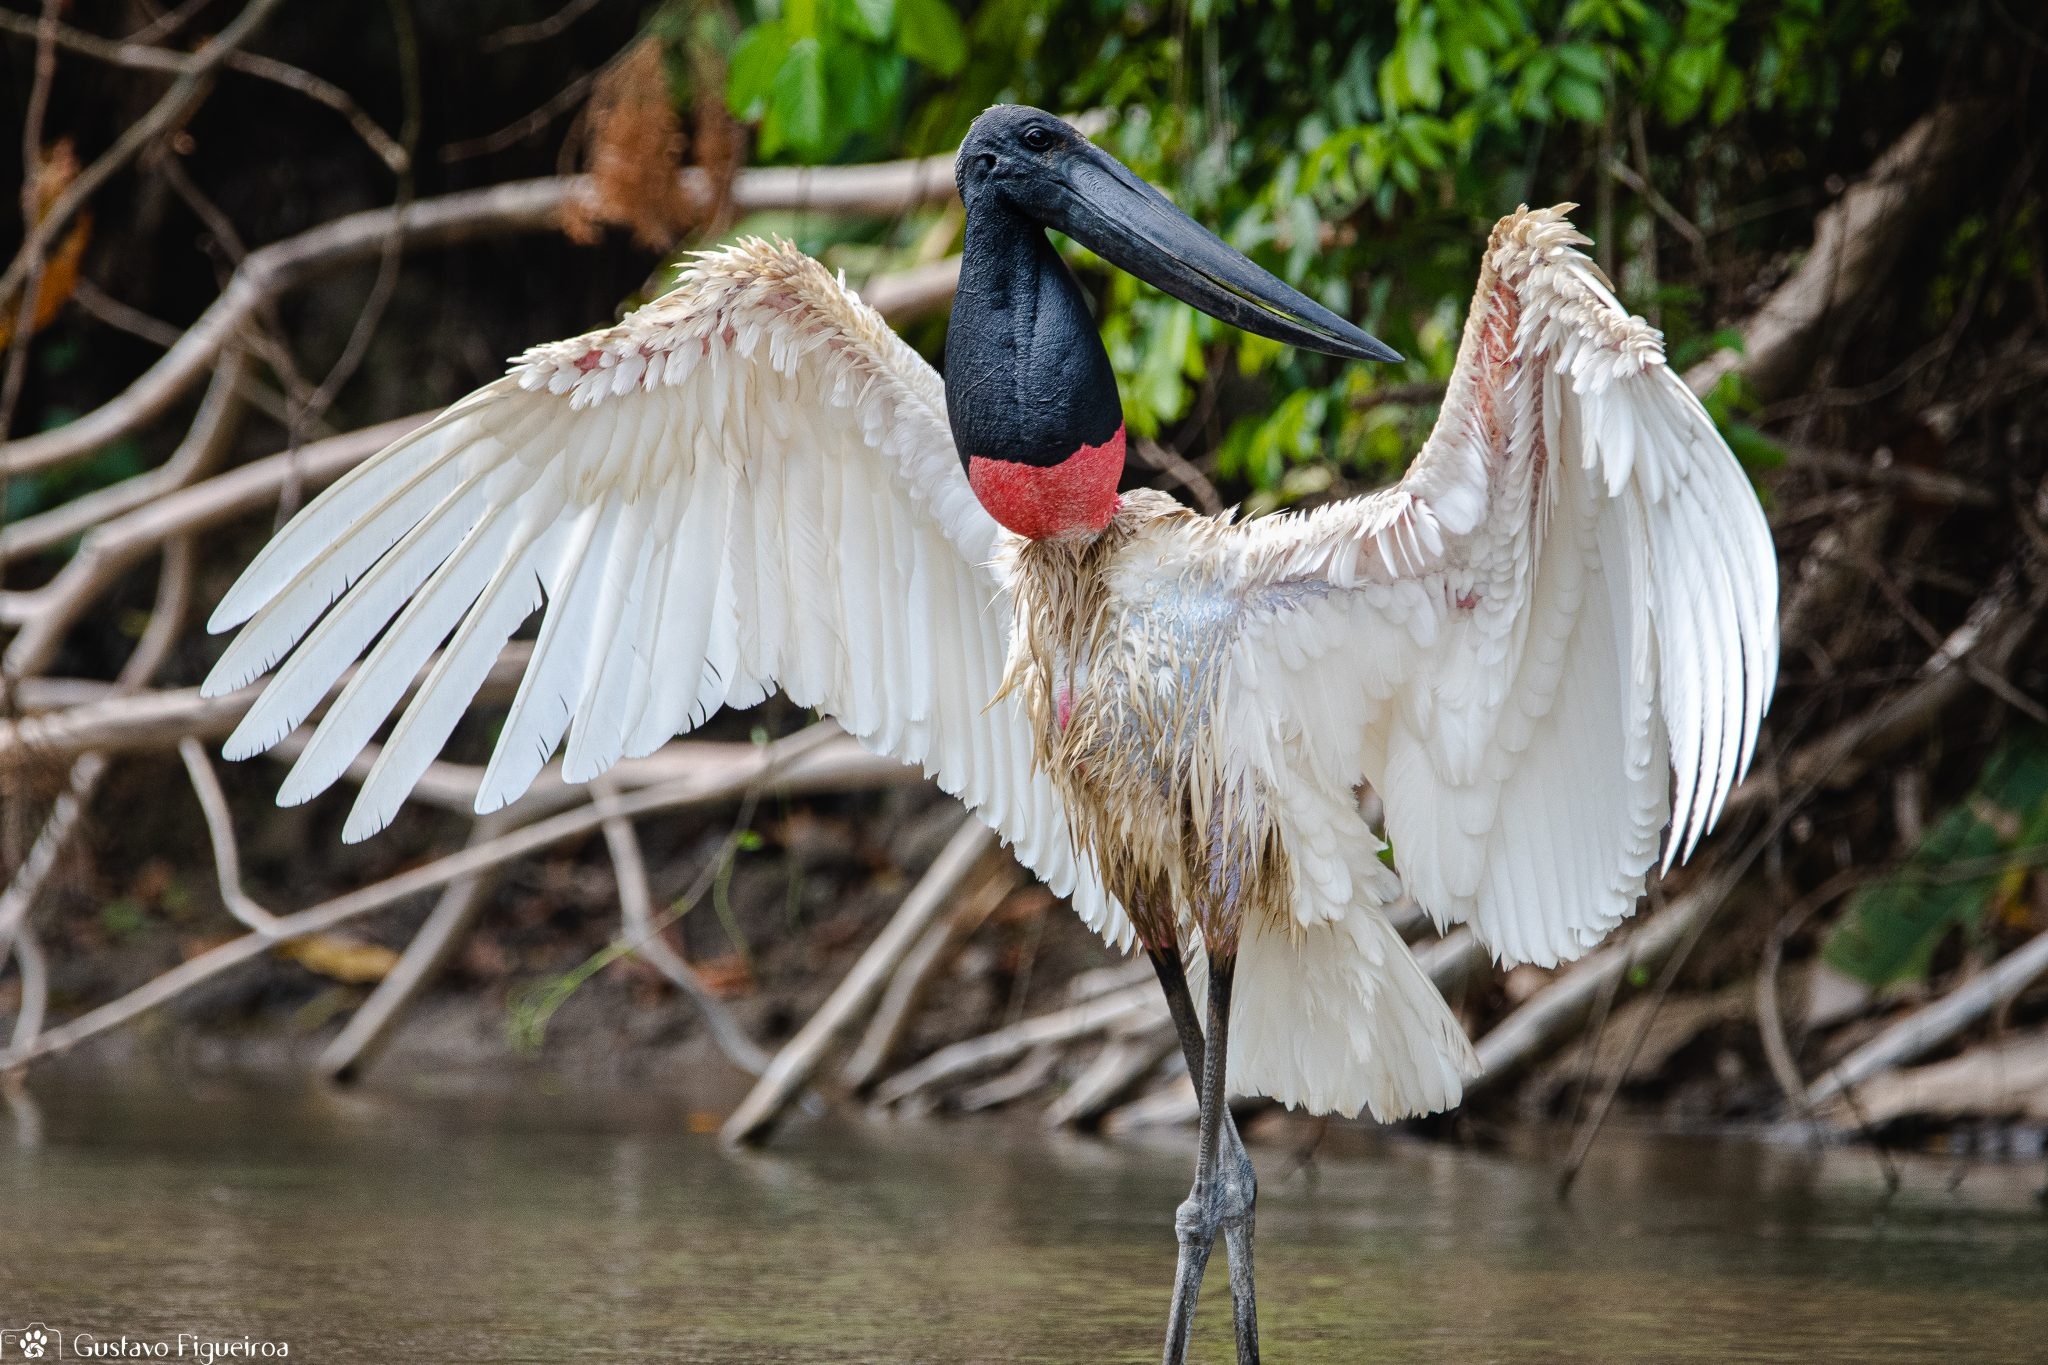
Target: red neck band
(1038, 501)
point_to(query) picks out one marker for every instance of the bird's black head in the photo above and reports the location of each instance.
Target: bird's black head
(1031, 395)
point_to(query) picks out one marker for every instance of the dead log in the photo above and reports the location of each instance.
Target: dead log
(801, 1057)
(1856, 241)
(912, 982)
(1007, 1044)
(356, 1047)
(684, 791)
(1933, 1025)
(1550, 1017)
(269, 272)
(2003, 1079)
(1131, 1055)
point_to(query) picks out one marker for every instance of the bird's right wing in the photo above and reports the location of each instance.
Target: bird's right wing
(748, 483)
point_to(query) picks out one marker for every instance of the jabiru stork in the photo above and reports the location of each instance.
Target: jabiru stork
(1548, 647)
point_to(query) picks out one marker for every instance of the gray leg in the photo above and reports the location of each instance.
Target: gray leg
(1222, 1195)
(1235, 1169)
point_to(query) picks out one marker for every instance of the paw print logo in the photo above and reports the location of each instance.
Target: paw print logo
(35, 1343)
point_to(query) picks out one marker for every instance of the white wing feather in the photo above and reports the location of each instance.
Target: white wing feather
(748, 483)
(1554, 638)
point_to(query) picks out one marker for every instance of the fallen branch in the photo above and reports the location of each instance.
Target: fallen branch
(1928, 1028)
(1025, 1078)
(34, 975)
(48, 613)
(1553, 1014)
(915, 292)
(2006, 1079)
(1129, 1057)
(688, 791)
(103, 718)
(1172, 1105)
(220, 831)
(801, 1057)
(351, 1051)
(166, 115)
(1013, 1041)
(912, 981)
(636, 914)
(213, 428)
(1855, 242)
(1997, 624)
(1453, 960)
(267, 273)
(166, 622)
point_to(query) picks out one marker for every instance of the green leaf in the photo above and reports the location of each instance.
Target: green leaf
(871, 19)
(1756, 451)
(862, 89)
(1584, 61)
(796, 108)
(755, 61)
(1419, 69)
(1729, 93)
(1578, 98)
(1686, 78)
(928, 32)
(1894, 924)
(1468, 67)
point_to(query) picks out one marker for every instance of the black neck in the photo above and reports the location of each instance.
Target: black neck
(1027, 379)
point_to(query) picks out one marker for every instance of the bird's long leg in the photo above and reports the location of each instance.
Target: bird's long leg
(1237, 1234)
(1219, 1198)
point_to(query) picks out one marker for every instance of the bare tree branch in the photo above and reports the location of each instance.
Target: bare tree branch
(636, 913)
(686, 791)
(166, 621)
(372, 1025)
(913, 979)
(166, 114)
(35, 989)
(220, 831)
(539, 31)
(46, 615)
(881, 189)
(142, 56)
(212, 430)
(800, 1058)
(1082, 1020)
(33, 169)
(1855, 241)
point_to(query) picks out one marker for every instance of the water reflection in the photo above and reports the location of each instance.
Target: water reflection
(385, 1227)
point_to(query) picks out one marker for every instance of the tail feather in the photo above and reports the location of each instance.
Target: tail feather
(1338, 1016)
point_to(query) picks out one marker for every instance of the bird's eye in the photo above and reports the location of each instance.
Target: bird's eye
(1038, 137)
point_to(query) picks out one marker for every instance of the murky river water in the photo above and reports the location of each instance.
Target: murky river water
(386, 1228)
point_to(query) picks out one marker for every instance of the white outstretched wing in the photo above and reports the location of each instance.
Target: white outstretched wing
(1555, 636)
(748, 483)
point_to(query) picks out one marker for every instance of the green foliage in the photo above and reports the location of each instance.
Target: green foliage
(1730, 403)
(825, 75)
(1974, 858)
(1359, 151)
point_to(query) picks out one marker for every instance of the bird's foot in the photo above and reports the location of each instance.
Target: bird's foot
(1224, 1204)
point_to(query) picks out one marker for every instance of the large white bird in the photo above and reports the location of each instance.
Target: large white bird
(1548, 648)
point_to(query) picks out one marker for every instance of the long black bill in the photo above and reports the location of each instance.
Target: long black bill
(1133, 226)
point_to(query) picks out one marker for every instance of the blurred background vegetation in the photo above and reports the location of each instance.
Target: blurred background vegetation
(1361, 151)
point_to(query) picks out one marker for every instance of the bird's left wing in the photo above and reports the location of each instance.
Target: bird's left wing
(1555, 636)
(748, 483)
